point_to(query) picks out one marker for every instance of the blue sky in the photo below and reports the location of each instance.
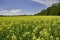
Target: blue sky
(22, 7)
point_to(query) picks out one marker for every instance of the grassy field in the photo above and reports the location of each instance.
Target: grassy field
(30, 28)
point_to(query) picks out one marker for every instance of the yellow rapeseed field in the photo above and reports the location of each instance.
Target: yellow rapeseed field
(30, 28)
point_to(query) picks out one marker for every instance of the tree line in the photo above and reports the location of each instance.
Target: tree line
(53, 10)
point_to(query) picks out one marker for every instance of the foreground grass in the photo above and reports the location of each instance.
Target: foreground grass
(30, 28)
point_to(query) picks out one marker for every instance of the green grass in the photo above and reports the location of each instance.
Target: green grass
(30, 28)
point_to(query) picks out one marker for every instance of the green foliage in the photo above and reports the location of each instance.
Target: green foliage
(53, 10)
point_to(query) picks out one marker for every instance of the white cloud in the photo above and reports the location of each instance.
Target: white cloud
(29, 13)
(46, 2)
(14, 12)
(10, 12)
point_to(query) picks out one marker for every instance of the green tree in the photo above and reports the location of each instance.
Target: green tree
(53, 10)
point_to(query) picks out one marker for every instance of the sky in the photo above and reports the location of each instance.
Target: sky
(24, 7)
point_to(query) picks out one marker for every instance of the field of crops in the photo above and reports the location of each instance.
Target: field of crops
(30, 28)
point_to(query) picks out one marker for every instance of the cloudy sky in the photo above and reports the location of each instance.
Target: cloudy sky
(24, 7)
